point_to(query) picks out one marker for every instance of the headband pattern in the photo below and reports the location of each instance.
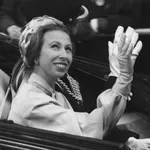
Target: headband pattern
(24, 41)
(31, 28)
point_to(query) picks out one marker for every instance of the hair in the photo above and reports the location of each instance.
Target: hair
(32, 53)
(36, 42)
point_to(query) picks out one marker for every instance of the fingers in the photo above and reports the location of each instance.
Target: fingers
(125, 43)
(118, 34)
(118, 41)
(123, 40)
(130, 42)
(134, 38)
(110, 48)
(136, 51)
(137, 48)
(130, 32)
(113, 49)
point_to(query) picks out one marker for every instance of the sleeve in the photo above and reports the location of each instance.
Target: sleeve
(52, 116)
(114, 102)
(42, 111)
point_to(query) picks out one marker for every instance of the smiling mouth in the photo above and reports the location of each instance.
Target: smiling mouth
(61, 66)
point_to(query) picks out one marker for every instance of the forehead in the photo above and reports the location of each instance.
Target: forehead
(56, 35)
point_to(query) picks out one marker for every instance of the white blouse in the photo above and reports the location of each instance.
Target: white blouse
(33, 107)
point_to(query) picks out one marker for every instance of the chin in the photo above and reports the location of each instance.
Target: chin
(60, 75)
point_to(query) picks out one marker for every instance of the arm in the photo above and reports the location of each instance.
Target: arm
(43, 111)
(50, 115)
(122, 56)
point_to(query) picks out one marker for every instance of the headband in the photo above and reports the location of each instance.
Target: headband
(31, 28)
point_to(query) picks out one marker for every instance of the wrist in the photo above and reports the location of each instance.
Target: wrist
(123, 86)
(112, 74)
(126, 67)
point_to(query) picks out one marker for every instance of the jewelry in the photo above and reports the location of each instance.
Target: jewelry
(36, 62)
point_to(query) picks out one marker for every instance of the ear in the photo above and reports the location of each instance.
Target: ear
(36, 62)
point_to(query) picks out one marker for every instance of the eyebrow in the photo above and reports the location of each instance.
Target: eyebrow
(71, 45)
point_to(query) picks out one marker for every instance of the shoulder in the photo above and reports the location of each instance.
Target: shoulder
(31, 94)
(28, 89)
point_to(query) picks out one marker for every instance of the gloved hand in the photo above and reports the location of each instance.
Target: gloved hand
(131, 38)
(138, 144)
(122, 56)
(127, 53)
(113, 52)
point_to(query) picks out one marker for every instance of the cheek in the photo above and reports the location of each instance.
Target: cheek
(44, 57)
(44, 60)
(45, 54)
(70, 58)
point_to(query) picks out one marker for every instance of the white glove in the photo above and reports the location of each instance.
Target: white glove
(127, 53)
(122, 58)
(113, 52)
(138, 144)
(131, 40)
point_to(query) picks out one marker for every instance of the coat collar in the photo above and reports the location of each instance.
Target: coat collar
(40, 83)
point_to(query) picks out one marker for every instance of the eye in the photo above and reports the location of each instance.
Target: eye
(55, 46)
(69, 49)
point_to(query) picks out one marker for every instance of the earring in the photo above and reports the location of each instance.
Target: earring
(36, 62)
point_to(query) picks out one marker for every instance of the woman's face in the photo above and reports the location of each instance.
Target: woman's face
(56, 54)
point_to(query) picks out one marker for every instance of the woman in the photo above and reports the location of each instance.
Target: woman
(15, 14)
(47, 52)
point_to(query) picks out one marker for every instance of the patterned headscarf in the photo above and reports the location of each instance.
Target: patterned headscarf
(31, 28)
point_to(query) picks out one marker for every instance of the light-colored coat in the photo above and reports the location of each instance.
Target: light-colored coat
(33, 107)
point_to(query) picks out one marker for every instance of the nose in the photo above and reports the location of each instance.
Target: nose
(63, 53)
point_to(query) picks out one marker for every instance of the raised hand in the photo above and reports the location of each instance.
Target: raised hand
(113, 52)
(128, 50)
(129, 43)
(122, 55)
